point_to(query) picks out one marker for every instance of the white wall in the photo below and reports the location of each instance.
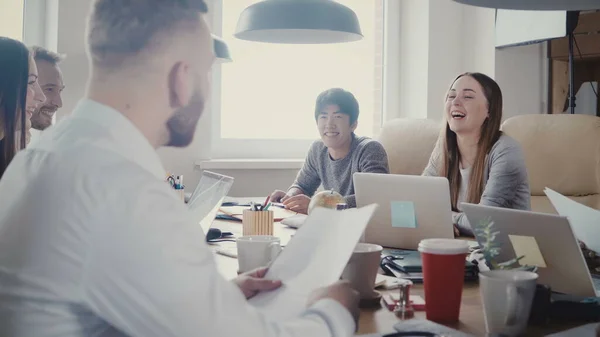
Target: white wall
(35, 11)
(413, 59)
(446, 52)
(459, 39)
(72, 15)
(437, 41)
(477, 37)
(41, 23)
(521, 73)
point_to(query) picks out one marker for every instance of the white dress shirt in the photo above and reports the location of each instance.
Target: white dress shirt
(34, 135)
(93, 242)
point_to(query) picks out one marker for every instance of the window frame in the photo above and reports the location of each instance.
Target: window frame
(261, 149)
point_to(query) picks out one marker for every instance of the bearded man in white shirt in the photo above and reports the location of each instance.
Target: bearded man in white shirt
(93, 242)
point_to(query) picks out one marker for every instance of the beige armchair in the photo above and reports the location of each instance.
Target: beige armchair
(409, 143)
(562, 152)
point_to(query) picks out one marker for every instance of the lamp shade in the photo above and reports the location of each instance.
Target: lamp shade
(537, 5)
(221, 49)
(298, 21)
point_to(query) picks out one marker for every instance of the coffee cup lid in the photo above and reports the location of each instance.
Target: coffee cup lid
(443, 246)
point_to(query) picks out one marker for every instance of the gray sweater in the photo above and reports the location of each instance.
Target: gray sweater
(366, 155)
(506, 181)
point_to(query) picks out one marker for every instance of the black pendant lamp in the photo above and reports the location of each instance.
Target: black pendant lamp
(538, 5)
(298, 22)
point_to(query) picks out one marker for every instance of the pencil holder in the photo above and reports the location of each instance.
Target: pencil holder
(257, 222)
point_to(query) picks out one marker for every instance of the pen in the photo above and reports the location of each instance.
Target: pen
(227, 253)
(399, 275)
(266, 201)
(400, 268)
(267, 207)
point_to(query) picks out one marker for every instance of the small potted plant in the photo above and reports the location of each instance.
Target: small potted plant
(490, 249)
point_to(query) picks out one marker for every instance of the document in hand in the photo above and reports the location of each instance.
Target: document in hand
(584, 220)
(315, 257)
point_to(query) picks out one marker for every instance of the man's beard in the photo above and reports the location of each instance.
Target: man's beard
(182, 126)
(40, 120)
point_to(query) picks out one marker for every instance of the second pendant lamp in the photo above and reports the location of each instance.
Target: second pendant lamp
(540, 5)
(298, 22)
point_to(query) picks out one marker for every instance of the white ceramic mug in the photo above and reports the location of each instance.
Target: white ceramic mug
(506, 296)
(256, 251)
(361, 270)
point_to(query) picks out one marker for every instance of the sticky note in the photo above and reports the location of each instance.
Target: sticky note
(527, 246)
(403, 214)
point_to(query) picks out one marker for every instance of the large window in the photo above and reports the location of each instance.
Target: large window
(11, 19)
(266, 96)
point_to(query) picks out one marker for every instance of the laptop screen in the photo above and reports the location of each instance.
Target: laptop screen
(208, 197)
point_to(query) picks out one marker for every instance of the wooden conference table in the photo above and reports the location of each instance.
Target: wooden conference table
(380, 319)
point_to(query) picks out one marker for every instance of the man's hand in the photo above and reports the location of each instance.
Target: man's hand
(298, 203)
(340, 292)
(252, 282)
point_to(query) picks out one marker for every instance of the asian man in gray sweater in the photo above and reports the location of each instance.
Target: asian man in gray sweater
(332, 160)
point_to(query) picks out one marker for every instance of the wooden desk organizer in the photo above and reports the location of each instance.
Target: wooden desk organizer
(257, 222)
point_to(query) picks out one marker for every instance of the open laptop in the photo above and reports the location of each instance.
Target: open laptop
(565, 271)
(411, 208)
(208, 196)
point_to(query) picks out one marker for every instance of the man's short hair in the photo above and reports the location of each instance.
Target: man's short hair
(43, 54)
(118, 29)
(340, 97)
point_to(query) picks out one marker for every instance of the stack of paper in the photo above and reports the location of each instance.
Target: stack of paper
(584, 220)
(314, 258)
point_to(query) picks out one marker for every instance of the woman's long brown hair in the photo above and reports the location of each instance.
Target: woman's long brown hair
(490, 132)
(14, 73)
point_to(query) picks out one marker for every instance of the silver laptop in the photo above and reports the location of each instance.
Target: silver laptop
(411, 208)
(565, 271)
(208, 196)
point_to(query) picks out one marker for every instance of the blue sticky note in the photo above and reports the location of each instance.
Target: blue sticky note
(403, 214)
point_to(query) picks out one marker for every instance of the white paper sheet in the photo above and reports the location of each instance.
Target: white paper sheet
(315, 257)
(584, 220)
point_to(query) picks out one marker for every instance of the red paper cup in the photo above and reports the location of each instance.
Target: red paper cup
(443, 277)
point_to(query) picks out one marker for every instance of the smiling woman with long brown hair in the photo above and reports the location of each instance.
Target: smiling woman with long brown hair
(483, 165)
(20, 94)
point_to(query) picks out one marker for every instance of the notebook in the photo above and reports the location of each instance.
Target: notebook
(410, 261)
